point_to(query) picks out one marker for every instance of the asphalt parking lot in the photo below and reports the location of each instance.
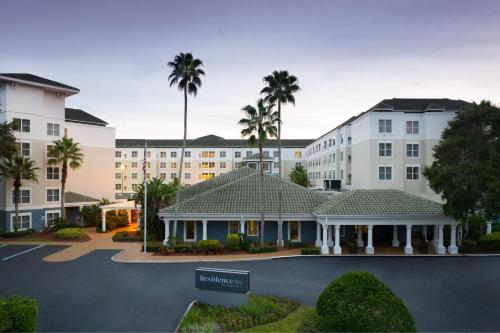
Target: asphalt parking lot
(95, 294)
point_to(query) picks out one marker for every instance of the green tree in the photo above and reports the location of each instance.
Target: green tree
(259, 124)
(68, 154)
(467, 159)
(18, 168)
(298, 175)
(280, 88)
(8, 140)
(186, 74)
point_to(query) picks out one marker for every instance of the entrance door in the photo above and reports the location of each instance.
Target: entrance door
(294, 231)
(190, 231)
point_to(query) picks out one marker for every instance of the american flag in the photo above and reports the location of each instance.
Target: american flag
(144, 163)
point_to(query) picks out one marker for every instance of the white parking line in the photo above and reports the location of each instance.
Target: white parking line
(3, 245)
(26, 251)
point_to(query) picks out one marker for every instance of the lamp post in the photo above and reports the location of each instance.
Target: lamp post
(122, 168)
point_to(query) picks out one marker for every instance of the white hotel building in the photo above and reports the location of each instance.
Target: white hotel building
(38, 106)
(385, 147)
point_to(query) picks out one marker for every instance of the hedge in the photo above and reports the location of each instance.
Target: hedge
(125, 236)
(295, 244)
(486, 243)
(359, 302)
(17, 233)
(18, 314)
(262, 249)
(310, 251)
(233, 242)
(208, 245)
(69, 233)
(152, 247)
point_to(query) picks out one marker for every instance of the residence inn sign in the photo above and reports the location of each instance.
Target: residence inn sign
(222, 280)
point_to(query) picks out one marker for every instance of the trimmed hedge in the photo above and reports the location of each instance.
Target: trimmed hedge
(262, 249)
(152, 247)
(309, 323)
(70, 233)
(233, 242)
(208, 245)
(359, 302)
(125, 236)
(18, 314)
(17, 233)
(307, 251)
(486, 243)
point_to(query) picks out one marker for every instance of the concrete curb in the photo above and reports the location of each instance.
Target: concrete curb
(184, 315)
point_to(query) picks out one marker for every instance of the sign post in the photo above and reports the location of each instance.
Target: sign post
(222, 286)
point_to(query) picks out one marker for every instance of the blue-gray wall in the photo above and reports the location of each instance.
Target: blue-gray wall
(37, 219)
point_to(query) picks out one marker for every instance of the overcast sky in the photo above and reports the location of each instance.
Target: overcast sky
(348, 55)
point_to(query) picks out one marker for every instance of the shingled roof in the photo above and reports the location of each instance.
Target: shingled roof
(73, 197)
(379, 203)
(36, 79)
(80, 116)
(237, 192)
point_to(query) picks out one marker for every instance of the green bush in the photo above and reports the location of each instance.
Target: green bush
(208, 245)
(262, 249)
(18, 314)
(70, 233)
(295, 245)
(233, 242)
(495, 227)
(490, 242)
(307, 251)
(17, 233)
(152, 247)
(244, 243)
(183, 248)
(125, 236)
(309, 323)
(468, 246)
(57, 224)
(359, 302)
(91, 215)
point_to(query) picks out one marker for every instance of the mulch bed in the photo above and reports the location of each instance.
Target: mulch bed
(45, 237)
(221, 253)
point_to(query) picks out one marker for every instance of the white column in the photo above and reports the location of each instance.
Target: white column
(280, 241)
(330, 235)
(360, 237)
(440, 249)
(318, 235)
(129, 215)
(324, 247)
(167, 231)
(369, 247)
(435, 238)
(488, 227)
(408, 248)
(103, 226)
(459, 236)
(452, 248)
(395, 240)
(205, 222)
(242, 226)
(337, 249)
(424, 232)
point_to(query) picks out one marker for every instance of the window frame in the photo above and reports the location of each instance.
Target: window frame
(53, 168)
(412, 166)
(21, 214)
(384, 127)
(378, 173)
(256, 234)
(412, 150)
(299, 231)
(229, 227)
(58, 211)
(412, 127)
(384, 150)
(192, 240)
(21, 191)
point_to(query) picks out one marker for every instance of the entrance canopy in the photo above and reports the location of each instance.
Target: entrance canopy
(121, 205)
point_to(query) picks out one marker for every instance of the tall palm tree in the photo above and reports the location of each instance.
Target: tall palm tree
(280, 88)
(259, 124)
(186, 74)
(67, 153)
(18, 168)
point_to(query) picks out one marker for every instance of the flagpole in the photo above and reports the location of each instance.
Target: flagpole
(145, 209)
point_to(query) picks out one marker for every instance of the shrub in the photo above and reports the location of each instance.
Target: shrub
(152, 247)
(310, 251)
(262, 249)
(19, 314)
(244, 243)
(309, 322)
(17, 233)
(295, 244)
(495, 227)
(57, 224)
(125, 236)
(183, 248)
(468, 246)
(91, 215)
(490, 242)
(359, 302)
(233, 242)
(208, 245)
(70, 233)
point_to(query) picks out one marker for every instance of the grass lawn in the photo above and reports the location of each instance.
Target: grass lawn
(289, 324)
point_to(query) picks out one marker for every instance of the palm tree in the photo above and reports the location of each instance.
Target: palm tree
(280, 89)
(186, 73)
(19, 168)
(67, 153)
(298, 175)
(259, 124)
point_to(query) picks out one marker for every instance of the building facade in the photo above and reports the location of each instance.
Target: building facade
(205, 158)
(37, 105)
(385, 147)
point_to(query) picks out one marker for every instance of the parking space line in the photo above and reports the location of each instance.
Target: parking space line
(23, 252)
(4, 245)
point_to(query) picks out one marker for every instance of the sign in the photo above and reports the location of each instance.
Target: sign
(225, 280)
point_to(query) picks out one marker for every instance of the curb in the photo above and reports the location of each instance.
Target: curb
(184, 315)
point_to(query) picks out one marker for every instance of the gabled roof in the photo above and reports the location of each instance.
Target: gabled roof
(73, 197)
(379, 203)
(37, 80)
(237, 192)
(80, 116)
(208, 141)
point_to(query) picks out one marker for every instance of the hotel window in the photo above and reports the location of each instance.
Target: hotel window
(412, 127)
(24, 197)
(163, 154)
(298, 154)
(118, 186)
(341, 173)
(384, 173)
(233, 227)
(134, 175)
(149, 165)
(187, 175)
(22, 125)
(52, 173)
(207, 175)
(275, 153)
(173, 175)
(23, 223)
(349, 158)
(208, 154)
(118, 175)
(189, 231)
(222, 154)
(208, 165)
(329, 142)
(148, 175)
(341, 156)
(385, 126)
(135, 165)
(173, 165)
(187, 153)
(237, 154)
(118, 153)
(187, 165)
(118, 165)
(50, 148)
(349, 140)
(149, 153)
(333, 174)
(134, 153)
(412, 150)
(23, 148)
(333, 158)
(252, 228)
(49, 216)
(384, 149)
(266, 153)
(222, 165)
(333, 142)
(163, 175)
(298, 164)
(134, 187)
(52, 194)
(248, 153)
(341, 139)
(163, 165)
(294, 231)
(173, 154)
(276, 165)
(412, 173)
(52, 129)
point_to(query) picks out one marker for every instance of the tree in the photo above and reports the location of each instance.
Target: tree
(467, 159)
(18, 168)
(280, 89)
(67, 153)
(298, 175)
(259, 124)
(8, 140)
(186, 74)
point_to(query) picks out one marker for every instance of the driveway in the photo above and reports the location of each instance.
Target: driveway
(94, 294)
